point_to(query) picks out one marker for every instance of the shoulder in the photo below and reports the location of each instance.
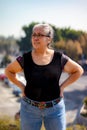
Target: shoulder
(20, 59)
(61, 55)
(64, 58)
(57, 54)
(27, 54)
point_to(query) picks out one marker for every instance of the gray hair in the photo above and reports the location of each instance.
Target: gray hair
(46, 28)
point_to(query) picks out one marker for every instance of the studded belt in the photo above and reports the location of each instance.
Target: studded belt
(42, 105)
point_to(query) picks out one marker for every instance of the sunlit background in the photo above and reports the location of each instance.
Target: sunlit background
(69, 20)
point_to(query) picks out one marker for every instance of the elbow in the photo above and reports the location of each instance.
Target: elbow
(7, 71)
(80, 71)
(9, 74)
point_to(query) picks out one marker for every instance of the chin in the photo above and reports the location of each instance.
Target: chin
(36, 45)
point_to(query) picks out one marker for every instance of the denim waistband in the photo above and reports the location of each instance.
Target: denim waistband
(42, 104)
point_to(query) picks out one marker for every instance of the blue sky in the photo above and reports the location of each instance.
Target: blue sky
(14, 14)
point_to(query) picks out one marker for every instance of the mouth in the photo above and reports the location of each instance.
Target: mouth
(36, 43)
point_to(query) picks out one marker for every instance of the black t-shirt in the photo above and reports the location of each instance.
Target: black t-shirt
(42, 81)
(64, 59)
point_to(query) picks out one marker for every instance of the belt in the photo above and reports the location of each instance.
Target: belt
(42, 105)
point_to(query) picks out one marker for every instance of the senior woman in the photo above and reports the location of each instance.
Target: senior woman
(43, 98)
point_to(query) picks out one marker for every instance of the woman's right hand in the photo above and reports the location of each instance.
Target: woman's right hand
(22, 89)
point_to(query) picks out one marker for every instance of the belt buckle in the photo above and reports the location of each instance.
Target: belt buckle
(42, 105)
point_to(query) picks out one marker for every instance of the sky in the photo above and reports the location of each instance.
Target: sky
(14, 14)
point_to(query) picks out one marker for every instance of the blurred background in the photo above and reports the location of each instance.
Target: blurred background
(69, 21)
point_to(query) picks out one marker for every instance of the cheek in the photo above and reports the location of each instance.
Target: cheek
(46, 42)
(32, 40)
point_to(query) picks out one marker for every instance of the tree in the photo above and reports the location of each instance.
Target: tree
(8, 45)
(60, 45)
(72, 34)
(73, 42)
(6, 60)
(25, 42)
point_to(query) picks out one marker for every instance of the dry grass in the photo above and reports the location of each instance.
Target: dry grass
(7, 123)
(42, 128)
(77, 127)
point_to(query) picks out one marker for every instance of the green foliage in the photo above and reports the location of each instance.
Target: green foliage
(25, 42)
(73, 42)
(68, 33)
(71, 48)
(57, 34)
(6, 60)
(8, 45)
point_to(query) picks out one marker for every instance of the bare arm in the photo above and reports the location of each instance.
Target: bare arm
(11, 71)
(74, 70)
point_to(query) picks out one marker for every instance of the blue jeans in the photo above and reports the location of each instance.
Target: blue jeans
(53, 117)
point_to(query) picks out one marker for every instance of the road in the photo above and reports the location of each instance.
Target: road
(73, 95)
(9, 104)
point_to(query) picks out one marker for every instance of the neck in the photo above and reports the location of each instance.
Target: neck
(41, 52)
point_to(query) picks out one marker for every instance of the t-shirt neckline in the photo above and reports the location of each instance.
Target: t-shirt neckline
(42, 65)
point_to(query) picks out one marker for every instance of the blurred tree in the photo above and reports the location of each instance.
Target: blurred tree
(8, 45)
(6, 60)
(60, 45)
(25, 42)
(71, 48)
(72, 34)
(57, 34)
(83, 42)
(73, 42)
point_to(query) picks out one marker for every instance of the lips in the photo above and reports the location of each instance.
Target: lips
(36, 43)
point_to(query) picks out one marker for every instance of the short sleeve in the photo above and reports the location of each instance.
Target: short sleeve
(20, 61)
(64, 60)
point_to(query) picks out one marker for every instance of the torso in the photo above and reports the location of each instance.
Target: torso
(42, 77)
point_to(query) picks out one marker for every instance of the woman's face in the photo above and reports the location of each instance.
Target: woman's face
(40, 39)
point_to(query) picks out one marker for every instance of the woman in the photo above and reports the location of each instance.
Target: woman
(43, 96)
